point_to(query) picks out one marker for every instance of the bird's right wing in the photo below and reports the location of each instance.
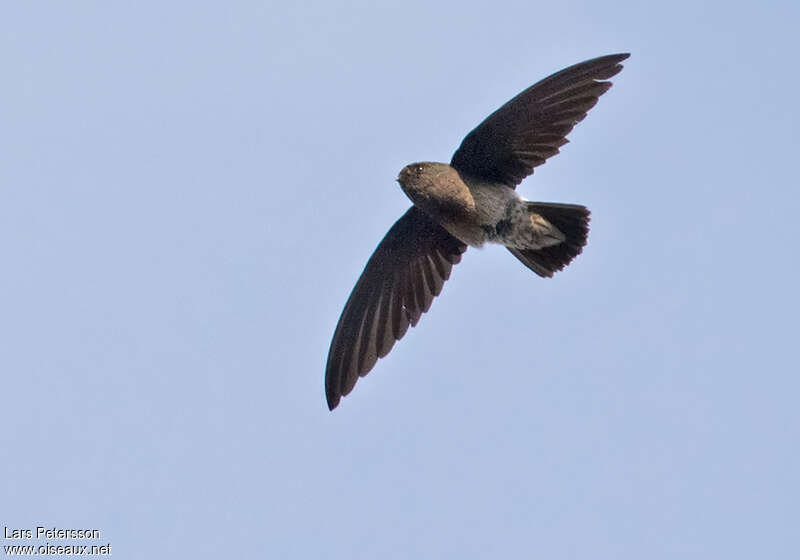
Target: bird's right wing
(530, 128)
(404, 274)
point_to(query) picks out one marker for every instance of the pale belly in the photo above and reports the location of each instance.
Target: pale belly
(499, 215)
(490, 205)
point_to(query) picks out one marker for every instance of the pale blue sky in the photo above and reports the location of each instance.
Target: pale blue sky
(191, 189)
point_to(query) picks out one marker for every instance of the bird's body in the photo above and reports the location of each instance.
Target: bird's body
(476, 211)
(470, 202)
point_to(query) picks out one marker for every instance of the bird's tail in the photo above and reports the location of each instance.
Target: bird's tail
(573, 221)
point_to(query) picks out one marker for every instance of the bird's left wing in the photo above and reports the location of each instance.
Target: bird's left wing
(530, 128)
(403, 275)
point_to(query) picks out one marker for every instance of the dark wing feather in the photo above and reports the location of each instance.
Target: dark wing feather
(530, 128)
(404, 274)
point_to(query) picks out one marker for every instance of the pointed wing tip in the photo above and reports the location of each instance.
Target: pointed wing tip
(611, 59)
(606, 67)
(332, 397)
(615, 58)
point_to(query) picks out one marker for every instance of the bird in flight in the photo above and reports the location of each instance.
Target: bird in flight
(469, 202)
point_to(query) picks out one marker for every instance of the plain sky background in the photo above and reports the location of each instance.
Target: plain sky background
(189, 191)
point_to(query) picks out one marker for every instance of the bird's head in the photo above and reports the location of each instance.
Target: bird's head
(419, 180)
(410, 177)
(436, 188)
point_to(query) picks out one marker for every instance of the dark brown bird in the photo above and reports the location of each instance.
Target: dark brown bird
(472, 201)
